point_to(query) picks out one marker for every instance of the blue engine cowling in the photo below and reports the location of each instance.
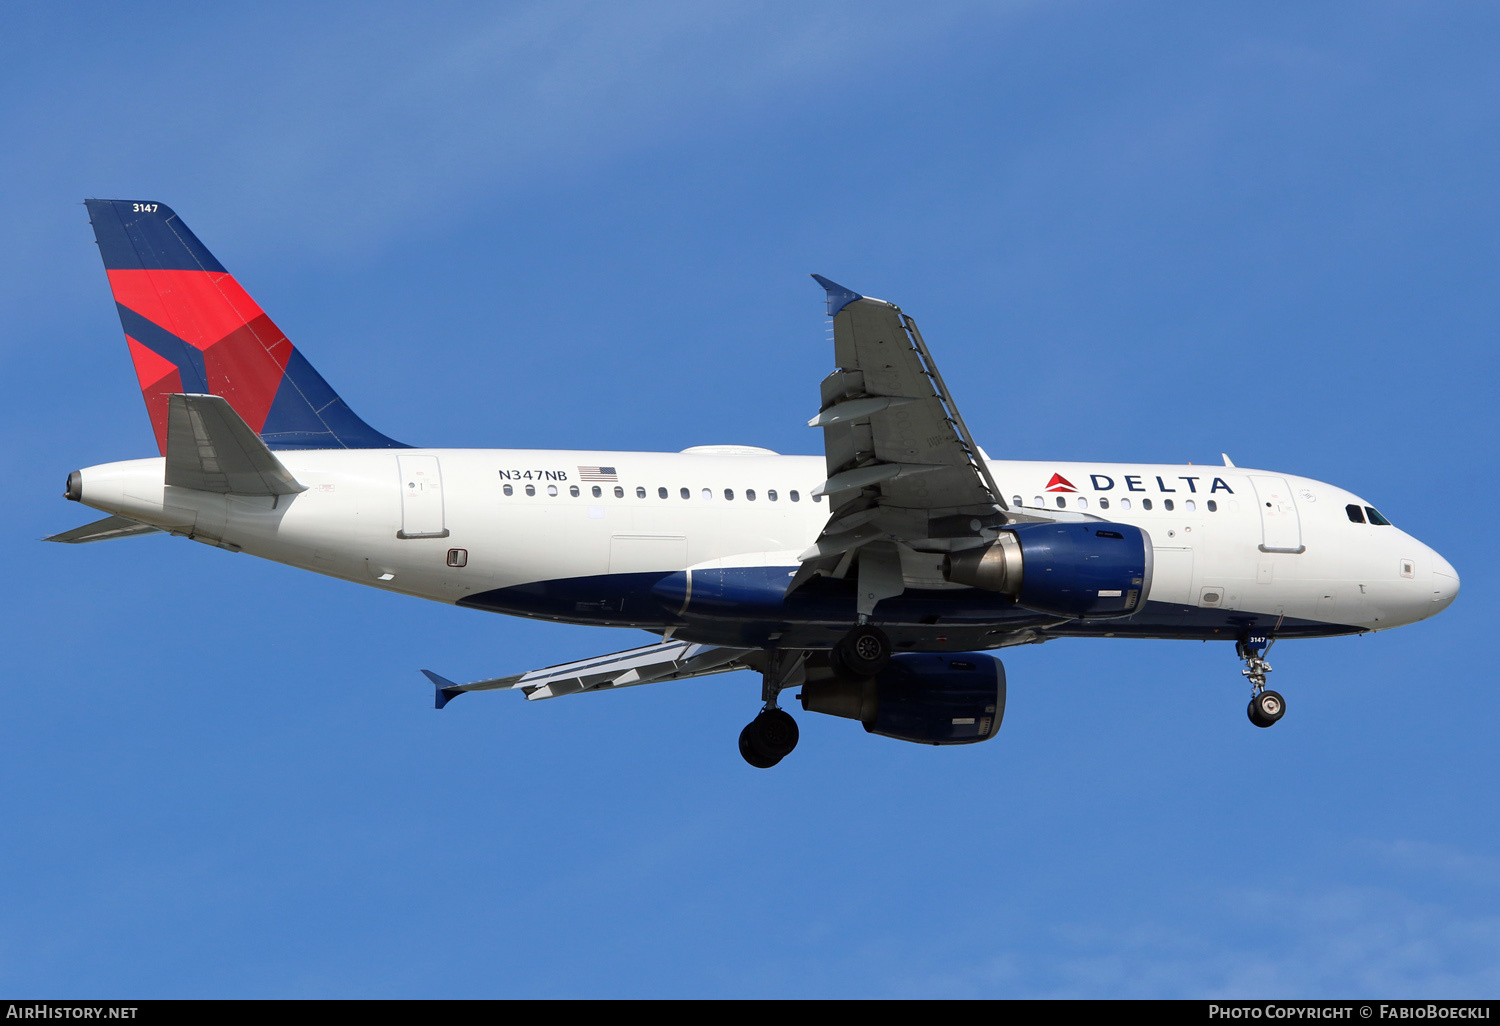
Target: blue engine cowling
(1087, 570)
(1093, 569)
(948, 698)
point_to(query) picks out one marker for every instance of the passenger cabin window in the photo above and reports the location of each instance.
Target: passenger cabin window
(1083, 503)
(1168, 504)
(1189, 505)
(573, 491)
(794, 496)
(1376, 518)
(1356, 515)
(1213, 505)
(509, 490)
(708, 493)
(686, 494)
(597, 491)
(661, 493)
(749, 494)
(817, 498)
(1015, 500)
(771, 495)
(552, 491)
(1124, 503)
(1103, 502)
(729, 495)
(1040, 502)
(1061, 502)
(640, 492)
(531, 489)
(619, 492)
(1145, 504)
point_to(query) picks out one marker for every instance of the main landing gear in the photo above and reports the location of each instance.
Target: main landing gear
(771, 736)
(1266, 707)
(863, 652)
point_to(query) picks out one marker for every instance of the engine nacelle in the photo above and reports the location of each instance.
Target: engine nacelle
(948, 698)
(1089, 570)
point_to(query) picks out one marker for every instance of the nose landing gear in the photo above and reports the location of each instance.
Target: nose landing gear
(1266, 707)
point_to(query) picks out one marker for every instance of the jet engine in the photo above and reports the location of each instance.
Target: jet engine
(928, 698)
(1090, 570)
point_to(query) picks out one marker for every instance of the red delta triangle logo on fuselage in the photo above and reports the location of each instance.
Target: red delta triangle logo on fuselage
(1060, 484)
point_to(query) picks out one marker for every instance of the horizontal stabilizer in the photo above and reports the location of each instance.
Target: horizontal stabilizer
(212, 449)
(103, 530)
(669, 660)
(446, 691)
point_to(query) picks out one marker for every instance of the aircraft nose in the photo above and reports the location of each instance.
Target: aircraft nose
(1444, 584)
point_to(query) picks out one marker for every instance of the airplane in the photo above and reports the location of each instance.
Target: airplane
(877, 578)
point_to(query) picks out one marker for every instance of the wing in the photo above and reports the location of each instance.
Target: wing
(906, 483)
(888, 420)
(669, 660)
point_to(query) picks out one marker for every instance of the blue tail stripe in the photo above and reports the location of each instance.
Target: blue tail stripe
(132, 238)
(163, 343)
(308, 414)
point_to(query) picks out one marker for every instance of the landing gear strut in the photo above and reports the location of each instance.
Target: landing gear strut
(772, 735)
(1266, 707)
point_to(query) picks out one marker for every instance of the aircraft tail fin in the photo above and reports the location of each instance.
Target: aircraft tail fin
(191, 328)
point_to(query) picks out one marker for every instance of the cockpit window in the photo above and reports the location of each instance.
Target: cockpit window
(1356, 515)
(1376, 518)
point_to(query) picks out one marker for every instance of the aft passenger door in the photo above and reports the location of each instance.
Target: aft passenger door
(1281, 528)
(421, 498)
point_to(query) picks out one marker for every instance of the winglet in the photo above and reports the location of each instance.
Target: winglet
(838, 296)
(446, 690)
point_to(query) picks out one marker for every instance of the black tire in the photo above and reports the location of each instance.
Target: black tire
(1255, 716)
(863, 652)
(749, 751)
(774, 734)
(842, 672)
(1266, 708)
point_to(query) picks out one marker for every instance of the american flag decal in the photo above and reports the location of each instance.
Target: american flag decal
(597, 474)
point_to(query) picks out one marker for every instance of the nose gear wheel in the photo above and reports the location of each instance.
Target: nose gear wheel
(1266, 708)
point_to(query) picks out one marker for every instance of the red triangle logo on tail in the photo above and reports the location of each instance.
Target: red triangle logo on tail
(1060, 484)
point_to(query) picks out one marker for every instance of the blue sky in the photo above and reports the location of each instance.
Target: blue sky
(1129, 231)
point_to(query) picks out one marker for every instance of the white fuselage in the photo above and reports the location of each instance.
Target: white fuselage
(1273, 544)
